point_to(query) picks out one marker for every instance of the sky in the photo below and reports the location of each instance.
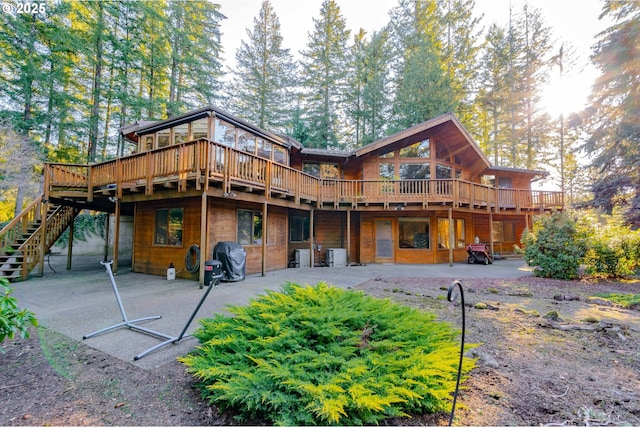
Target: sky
(572, 21)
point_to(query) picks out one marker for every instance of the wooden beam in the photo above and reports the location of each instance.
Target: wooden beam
(70, 243)
(265, 230)
(348, 237)
(116, 238)
(203, 237)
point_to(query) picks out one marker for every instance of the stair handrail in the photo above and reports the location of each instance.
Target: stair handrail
(33, 245)
(34, 209)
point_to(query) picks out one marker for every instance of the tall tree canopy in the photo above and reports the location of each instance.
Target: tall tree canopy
(324, 67)
(613, 117)
(263, 82)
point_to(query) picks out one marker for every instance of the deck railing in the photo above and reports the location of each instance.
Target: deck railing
(208, 162)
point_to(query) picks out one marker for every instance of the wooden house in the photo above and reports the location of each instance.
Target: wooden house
(418, 196)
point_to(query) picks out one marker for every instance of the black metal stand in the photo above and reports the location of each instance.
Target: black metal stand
(215, 280)
(131, 324)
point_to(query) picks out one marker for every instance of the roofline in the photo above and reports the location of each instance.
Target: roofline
(421, 127)
(206, 112)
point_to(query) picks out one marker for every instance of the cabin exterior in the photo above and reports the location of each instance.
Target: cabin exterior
(419, 196)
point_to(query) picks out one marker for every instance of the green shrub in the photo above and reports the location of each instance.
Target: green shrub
(13, 319)
(555, 246)
(614, 250)
(323, 355)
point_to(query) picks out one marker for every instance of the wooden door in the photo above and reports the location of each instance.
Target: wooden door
(384, 240)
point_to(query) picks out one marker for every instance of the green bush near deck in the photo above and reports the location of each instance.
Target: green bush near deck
(322, 355)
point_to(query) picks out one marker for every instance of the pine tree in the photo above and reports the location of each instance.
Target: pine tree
(195, 67)
(324, 68)
(423, 89)
(613, 120)
(264, 79)
(368, 97)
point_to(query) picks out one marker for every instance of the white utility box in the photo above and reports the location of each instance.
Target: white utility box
(336, 257)
(302, 258)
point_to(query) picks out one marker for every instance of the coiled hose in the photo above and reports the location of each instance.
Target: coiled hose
(192, 259)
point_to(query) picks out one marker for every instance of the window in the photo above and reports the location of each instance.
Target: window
(163, 138)
(460, 234)
(504, 231)
(443, 233)
(414, 233)
(415, 171)
(386, 170)
(443, 172)
(322, 170)
(419, 149)
(298, 228)
(225, 133)
(168, 227)
(504, 182)
(246, 141)
(264, 149)
(249, 227)
(147, 142)
(180, 133)
(199, 129)
(279, 154)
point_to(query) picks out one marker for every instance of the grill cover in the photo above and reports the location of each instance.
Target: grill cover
(233, 258)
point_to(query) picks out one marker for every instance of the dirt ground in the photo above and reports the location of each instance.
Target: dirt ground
(583, 368)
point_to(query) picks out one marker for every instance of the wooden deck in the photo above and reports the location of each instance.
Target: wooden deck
(203, 164)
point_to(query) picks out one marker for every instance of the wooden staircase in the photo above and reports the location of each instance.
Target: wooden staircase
(23, 242)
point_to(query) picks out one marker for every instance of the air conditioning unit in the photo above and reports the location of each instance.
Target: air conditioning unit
(302, 257)
(336, 257)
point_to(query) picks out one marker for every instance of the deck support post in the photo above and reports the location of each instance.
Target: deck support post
(451, 239)
(70, 243)
(491, 232)
(312, 255)
(106, 240)
(348, 237)
(44, 210)
(265, 230)
(203, 238)
(116, 237)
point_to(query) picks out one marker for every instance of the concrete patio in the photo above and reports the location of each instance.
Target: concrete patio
(79, 301)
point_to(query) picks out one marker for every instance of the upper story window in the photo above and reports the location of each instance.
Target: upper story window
(420, 150)
(180, 133)
(443, 172)
(147, 142)
(280, 155)
(322, 170)
(163, 137)
(225, 133)
(200, 128)
(246, 141)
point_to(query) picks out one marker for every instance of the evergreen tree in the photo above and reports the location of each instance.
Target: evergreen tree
(493, 96)
(423, 89)
(368, 97)
(263, 82)
(613, 119)
(195, 67)
(324, 68)
(460, 52)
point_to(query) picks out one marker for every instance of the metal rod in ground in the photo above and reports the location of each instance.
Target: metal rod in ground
(171, 340)
(450, 298)
(131, 324)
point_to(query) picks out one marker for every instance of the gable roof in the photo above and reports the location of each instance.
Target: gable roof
(445, 126)
(139, 128)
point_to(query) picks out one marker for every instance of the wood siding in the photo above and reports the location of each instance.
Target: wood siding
(153, 259)
(222, 226)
